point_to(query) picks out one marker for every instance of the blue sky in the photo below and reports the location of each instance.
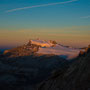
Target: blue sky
(50, 16)
(74, 14)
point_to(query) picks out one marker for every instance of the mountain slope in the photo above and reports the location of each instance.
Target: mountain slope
(67, 53)
(76, 77)
(22, 69)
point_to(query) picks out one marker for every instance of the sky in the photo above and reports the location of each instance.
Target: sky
(66, 21)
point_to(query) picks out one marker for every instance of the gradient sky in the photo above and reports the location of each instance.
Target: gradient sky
(67, 23)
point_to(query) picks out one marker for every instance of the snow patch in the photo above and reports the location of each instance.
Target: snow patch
(42, 43)
(67, 53)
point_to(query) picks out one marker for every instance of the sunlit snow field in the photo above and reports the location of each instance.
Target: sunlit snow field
(62, 51)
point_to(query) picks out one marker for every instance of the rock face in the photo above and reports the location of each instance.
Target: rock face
(0, 52)
(30, 48)
(83, 53)
(24, 50)
(43, 43)
(1, 55)
(76, 77)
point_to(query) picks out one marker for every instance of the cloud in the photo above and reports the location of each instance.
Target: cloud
(86, 17)
(42, 5)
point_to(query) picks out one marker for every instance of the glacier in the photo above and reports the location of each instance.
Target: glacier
(47, 47)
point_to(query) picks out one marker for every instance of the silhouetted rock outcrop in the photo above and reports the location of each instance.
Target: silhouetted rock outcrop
(83, 53)
(1, 55)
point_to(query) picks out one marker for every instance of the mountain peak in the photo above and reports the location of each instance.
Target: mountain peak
(42, 43)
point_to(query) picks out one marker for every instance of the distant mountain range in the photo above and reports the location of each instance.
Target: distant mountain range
(43, 47)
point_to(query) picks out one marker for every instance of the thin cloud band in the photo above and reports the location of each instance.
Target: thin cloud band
(43, 5)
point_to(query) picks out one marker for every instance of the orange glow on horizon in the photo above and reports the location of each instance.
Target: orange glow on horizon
(67, 36)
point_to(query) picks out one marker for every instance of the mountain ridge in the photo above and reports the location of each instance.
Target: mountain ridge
(43, 47)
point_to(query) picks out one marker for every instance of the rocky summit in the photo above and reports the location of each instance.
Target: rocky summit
(28, 49)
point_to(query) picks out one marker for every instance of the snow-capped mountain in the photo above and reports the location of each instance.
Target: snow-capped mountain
(43, 47)
(48, 47)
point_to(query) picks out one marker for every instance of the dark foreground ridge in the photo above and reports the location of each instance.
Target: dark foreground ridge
(76, 77)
